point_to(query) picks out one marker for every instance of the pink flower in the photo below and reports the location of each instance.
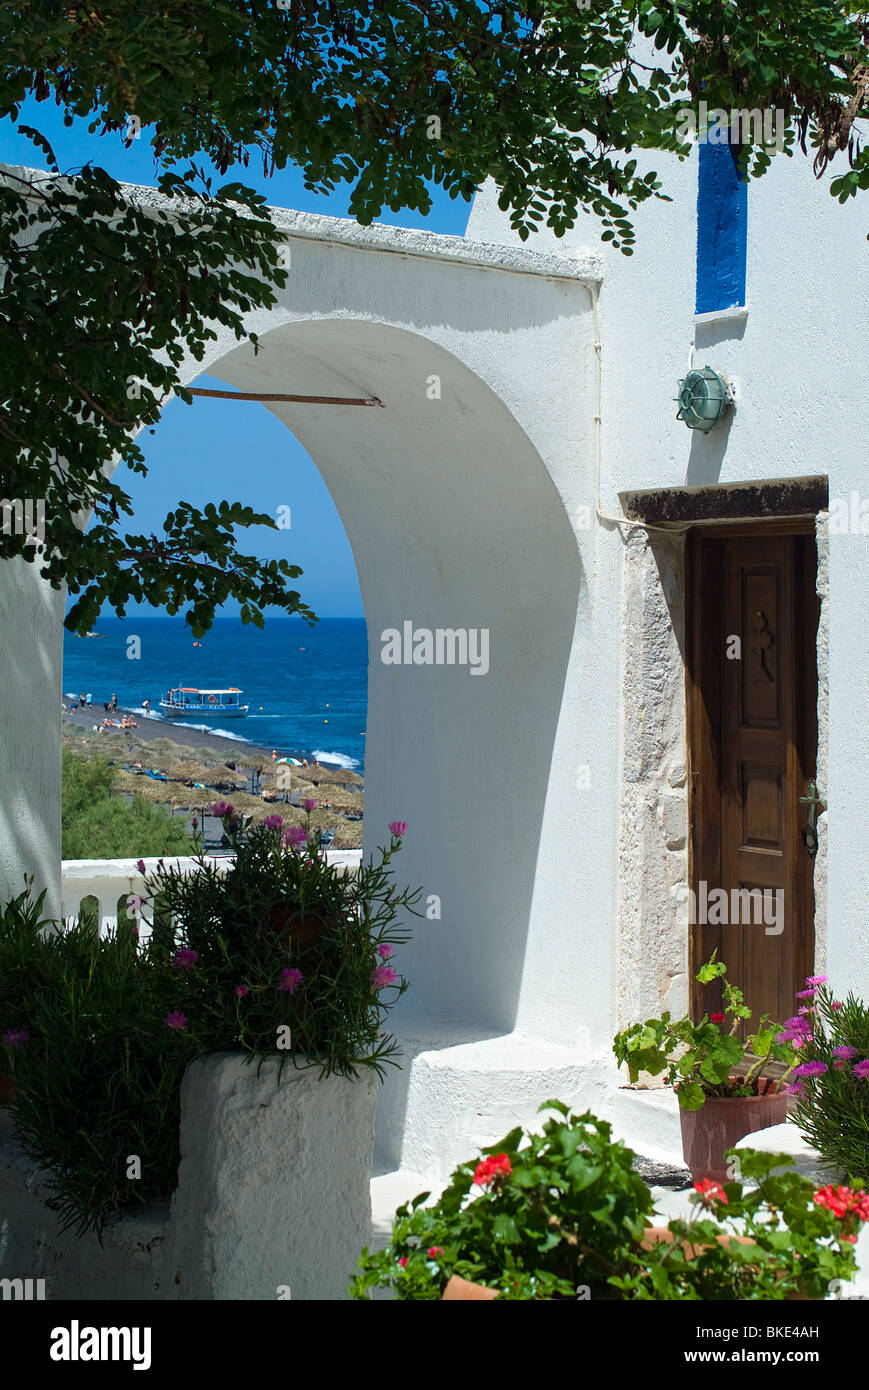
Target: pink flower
(273, 822)
(241, 991)
(289, 979)
(309, 804)
(384, 951)
(816, 979)
(195, 824)
(810, 1069)
(176, 1021)
(185, 959)
(797, 1089)
(861, 1069)
(140, 865)
(434, 1250)
(403, 1262)
(397, 827)
(221, 809)
(383, 975)
(806, 994)
(839, 1065)
(295, 835)
(15, 1038)
(837, 1006)
(845, 1051)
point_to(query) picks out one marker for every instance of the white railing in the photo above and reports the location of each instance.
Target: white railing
(111, 880)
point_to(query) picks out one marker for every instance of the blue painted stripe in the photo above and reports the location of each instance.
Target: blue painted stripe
(722, 229)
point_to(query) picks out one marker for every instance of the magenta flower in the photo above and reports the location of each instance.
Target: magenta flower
(816, 979)
(861, 1069)
(289, 979)
(797, 1089)
(273, 822)
(15, 1038)
(806, 993)
(241, 991)
(195, 824)
(384, 951)
(295, 835)
(176, 1021)
(397, 827)
(140, 865)
(837, 1006)
(845, 1051)
(810, 1069)
(184, 958)
(383, 975)
(221, 809)
(309, 804)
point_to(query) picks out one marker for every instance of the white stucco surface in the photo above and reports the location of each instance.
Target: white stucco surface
(273, 1199)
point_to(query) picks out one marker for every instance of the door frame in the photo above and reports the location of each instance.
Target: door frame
(699, 723)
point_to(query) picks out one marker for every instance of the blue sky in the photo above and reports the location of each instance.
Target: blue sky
(202, 453)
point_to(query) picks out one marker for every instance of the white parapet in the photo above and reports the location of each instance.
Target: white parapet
(273, 1197)
(109, 880)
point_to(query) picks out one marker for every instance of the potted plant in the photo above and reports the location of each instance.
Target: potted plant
(283, 949)
(717, 1104)
(563, 1215)
(831, 1081)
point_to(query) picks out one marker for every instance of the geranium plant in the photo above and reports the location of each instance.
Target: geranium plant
(282, 951)
(563, 1215)
(541, 1217)
(700, 1059)
(831, 1082)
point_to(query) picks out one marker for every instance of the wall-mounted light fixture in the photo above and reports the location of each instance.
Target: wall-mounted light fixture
(703, 398)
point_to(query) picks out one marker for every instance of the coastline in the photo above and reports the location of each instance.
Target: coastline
(222, 745)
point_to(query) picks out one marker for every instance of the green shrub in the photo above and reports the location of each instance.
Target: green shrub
(97, 825)
(563, 1216)
(283, 951)
(98, 1077)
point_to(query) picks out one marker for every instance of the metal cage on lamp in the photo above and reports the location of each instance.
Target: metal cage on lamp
(703, 398)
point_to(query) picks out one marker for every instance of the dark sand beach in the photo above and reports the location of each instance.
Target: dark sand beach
(147, 730)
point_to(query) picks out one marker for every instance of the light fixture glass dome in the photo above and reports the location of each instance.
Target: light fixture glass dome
(703, 397)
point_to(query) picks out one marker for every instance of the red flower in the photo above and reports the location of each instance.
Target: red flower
(403, 1262)
(844, 1202)
(434, 1250)
(491, 1168)
(710, 1192)
(716, 1018)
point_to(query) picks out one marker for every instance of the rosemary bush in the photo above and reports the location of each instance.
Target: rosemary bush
(832, 1081)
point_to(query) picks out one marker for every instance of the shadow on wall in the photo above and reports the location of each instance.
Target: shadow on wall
(31, 617)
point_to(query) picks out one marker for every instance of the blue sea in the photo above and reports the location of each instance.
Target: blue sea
(306, 686)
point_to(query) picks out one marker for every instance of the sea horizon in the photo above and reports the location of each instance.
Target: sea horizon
(307, 690)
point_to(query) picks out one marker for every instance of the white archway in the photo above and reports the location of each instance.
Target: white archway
(454, 522)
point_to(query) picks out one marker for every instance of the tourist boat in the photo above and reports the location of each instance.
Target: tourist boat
(188, 700)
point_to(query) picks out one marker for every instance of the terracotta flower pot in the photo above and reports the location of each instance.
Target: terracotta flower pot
(303, 930)
(462, 1290)
(709, 1132)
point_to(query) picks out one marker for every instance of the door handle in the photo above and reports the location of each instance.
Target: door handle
(812, 801)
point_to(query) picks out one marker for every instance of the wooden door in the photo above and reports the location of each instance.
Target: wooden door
(752, 751)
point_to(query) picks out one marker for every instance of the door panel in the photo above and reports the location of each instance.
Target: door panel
(752, 744)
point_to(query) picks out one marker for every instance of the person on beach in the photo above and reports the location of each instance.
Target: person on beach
(82, 699)
(146, 706)
(114, 703)
(274, 755)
